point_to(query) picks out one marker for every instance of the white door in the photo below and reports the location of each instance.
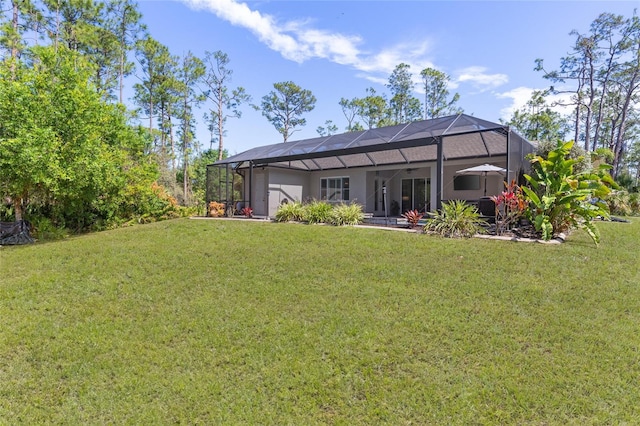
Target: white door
(259, 201)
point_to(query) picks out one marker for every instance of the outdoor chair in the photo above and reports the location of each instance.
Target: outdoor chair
(487, 209)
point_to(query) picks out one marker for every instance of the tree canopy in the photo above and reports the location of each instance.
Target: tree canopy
(70, 150)
(285, 105)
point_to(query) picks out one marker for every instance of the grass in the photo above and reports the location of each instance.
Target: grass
(239, 322)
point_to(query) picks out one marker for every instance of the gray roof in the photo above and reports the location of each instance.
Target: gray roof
(463, 136)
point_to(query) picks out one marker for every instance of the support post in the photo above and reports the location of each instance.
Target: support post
(508, 154)
(439, 173)
(250, 184)
(384, 202)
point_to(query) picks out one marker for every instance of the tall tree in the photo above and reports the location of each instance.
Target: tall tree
(75, 22)
(190, 73)
(436, 94)
(350, 109)
(23, 16)
(628, 80)
(536, 121)
(372, 109)
(226, 103)
(123, 20)
(285, 105)
(403, 106)
(607, 25)
(602, 73)
(329, 130)
(589, 67)
(156, 90)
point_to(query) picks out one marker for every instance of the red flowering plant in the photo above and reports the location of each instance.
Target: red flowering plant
(510, 207)
(247, 212)
(413, 217)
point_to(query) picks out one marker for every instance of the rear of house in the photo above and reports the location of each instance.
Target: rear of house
(387, 170)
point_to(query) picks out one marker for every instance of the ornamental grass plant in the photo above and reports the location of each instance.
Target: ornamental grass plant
(317, 212)
(346, 214)
(290, 212)
(456, 219)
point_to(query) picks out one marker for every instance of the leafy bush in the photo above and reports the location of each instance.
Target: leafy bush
(317, 212)
(290, 212)
(634, 203)
(216, 209)
(247, 212)
(43, 229)
(413, 217)
(582, 163)
(456, 219)
(619, 203)
(560, 200)
(346, 214)
(510, 207)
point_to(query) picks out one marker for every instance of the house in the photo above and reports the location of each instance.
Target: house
(387, 170)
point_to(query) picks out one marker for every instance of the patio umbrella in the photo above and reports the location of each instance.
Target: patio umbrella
(483, 170)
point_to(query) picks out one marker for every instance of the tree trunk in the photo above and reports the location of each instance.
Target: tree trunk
(171, 139)
(185, 181)
(14, 44)
(17, 208)
(150, 111)
(633, 85)
(577, 132)
(185, 153)
(220, 129)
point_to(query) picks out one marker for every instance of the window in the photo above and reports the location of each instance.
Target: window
(334, 189)
(466, 183)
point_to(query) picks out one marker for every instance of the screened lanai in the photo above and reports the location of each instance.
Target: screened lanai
(458, 138)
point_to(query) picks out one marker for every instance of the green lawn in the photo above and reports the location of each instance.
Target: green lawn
(240, 322)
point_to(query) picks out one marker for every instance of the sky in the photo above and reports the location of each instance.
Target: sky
(338, 49)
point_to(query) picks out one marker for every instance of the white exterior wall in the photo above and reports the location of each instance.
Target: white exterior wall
(272, 185)
(289, 185)
(494, 182)
(361, 182)
(357, 183)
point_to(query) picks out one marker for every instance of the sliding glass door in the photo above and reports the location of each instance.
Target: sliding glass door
(415, 194)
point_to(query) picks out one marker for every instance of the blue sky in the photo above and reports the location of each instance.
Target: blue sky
(340, 48)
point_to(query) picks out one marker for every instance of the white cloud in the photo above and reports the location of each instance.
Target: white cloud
(521, 95)
(479, 78)
(298, 42)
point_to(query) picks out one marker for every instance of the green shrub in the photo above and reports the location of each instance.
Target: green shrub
(634, 203)
(317, 212)
(619, 203)
(346, 214)
(43, 228)
(456, 219)
(560, 199)
(290, 212)
(577, 153)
